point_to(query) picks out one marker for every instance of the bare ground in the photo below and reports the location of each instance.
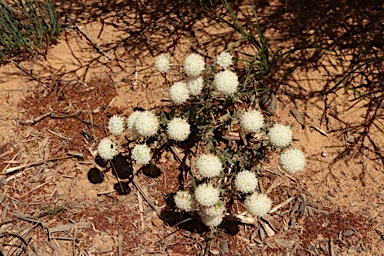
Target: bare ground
(56, 106)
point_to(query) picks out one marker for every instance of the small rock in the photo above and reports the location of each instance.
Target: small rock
(224, 247)
(268, 102)
(214, 252)
(157, 222)
(352, 250)
(324, 153)
(348, 233)
(3, 182)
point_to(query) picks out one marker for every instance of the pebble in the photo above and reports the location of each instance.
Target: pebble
(224, 247)
(214, 252)
(324, 153)
(157, 222)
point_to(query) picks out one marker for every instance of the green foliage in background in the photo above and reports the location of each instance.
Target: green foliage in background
(25, 26)
(262, 62)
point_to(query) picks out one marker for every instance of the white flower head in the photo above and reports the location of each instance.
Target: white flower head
(107, 149)
(178, 129)
(194, 65)
(116, 125)
(252, 121)
(211, 221)
(209, 165)
(141, 153)
(185, 201)
(292, 160)
(280, 135)
(195, 85)
(215, 210)
(179, 93)
(224, 60)
(206, 195)
(258, 204)
(226, 82)
(246, 182)
(163, 63)
(145, 124)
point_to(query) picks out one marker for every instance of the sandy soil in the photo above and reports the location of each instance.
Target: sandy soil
(57, 106)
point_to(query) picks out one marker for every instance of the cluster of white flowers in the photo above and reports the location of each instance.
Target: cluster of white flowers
(178, 129)
(280, 135)
(246, 182)
(226, 82)
(258, 204)
(209, 165)
(194, 65)
(195, 85)
(179, 93)
(141, 153)
(107, 149)
(185, 201)
(207, 195)
(224, 60)
(143, 123)
(252, 121)
(163, 63)
(292, 160)
(116, 125)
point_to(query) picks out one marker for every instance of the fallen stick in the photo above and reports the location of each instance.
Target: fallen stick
(277, 207)
(34, 120)
(50, 114)
(94, 44)
(146, 198)
(319, 130)
(38, 162)
(67, 227)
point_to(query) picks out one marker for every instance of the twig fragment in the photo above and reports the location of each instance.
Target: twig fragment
(331, 248)
(277, 207)
(67, 227)
(120, 244)
(141, 209)
(38, 162)
(319, 130)
(286, 174)
(94, 44)
(34, 120)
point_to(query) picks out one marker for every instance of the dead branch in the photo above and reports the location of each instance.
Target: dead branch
(68, 227)
(38, 162)
(94, 44)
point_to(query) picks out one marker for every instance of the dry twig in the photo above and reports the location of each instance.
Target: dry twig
(319, 130)
(38, 162)
(277, 207)
(94, 44)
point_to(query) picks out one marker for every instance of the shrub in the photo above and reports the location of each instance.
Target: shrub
(25, 26)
